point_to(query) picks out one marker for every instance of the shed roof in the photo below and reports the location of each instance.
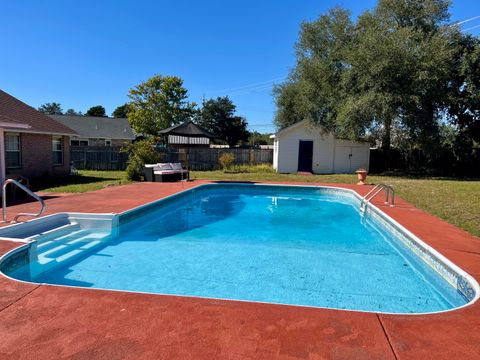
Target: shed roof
(288, 128)
(19, 116)
(93, 127)
(306, 124)
(187, 129)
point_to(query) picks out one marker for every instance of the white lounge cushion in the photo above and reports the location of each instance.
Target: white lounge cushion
(176, 166)
(150, 165)
(164, 172)
(163, 166)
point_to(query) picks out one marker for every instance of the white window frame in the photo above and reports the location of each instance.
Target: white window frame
(108, 142)
(79, 141)
(54, 150)
(19, 151)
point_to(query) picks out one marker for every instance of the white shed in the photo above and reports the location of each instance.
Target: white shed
(305, 147)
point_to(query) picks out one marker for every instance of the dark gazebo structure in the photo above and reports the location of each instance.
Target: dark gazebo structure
(186, 135)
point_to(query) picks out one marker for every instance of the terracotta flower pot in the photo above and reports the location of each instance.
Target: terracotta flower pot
(362, 176)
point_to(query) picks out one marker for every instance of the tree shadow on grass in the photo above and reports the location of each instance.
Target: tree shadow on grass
(23, 198)
(47, 183)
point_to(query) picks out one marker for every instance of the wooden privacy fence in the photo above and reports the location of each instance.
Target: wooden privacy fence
(98, 157)
(111, 158)
(207, 159)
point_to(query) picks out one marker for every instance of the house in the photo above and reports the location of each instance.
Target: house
(186, 135)
(306, 148)
(97, 131)
(31, 143)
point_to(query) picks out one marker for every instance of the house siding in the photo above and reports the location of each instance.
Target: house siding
(37, 157)
(324, 147)
(359, 156)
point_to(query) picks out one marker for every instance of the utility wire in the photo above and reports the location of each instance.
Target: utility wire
(467, 20)
(471, 28)
(246, 90)
(256, 110)
(251, 86)
(253, 90)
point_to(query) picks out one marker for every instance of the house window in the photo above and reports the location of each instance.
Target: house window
(57, 150)
(78, 142)
(108, 142)
(13, 152)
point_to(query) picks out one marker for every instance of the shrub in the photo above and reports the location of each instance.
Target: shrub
(140, 153)
(226, 160)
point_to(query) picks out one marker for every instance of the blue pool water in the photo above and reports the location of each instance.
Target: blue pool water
(288, 245)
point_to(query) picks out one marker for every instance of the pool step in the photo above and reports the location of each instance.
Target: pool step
(56, 232)
(77, 241)
(53, 250)
(51, 242)
(53, 246)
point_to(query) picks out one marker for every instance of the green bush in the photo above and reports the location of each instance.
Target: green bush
(141, 153)
(226, 160)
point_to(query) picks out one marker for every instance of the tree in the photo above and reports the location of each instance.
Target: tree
(292, 102)
(236, 131)
(390, 69)
(98, 110)
(255, 138)
(217, 116)
(73, 112)
(140, 153)
(158, 103)
(463, 104)
(121, 111)
(51, 109)
(315, 85)
(397, 76)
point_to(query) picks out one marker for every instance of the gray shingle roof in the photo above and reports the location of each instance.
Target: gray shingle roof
(14, 111)
(188, 129)
(97, 127)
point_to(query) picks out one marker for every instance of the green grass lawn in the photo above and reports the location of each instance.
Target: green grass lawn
(86, 180)
(454, 200)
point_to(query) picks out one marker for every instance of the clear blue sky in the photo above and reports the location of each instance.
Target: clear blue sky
(86, 53)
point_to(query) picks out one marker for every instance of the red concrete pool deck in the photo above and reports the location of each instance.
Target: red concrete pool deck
(52, 322)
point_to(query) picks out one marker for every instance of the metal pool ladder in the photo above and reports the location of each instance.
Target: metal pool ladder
(28, 191)
(374, 192)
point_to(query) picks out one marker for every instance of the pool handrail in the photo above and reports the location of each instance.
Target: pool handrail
(374, 192)
(28, 191)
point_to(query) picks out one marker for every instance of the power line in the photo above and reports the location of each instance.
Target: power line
(253, 90)
(251, 86)
(256, 110)
(467, 20)
(248, 90)
(471, 28)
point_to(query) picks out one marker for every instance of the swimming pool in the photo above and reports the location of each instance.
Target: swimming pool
(294, 245)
